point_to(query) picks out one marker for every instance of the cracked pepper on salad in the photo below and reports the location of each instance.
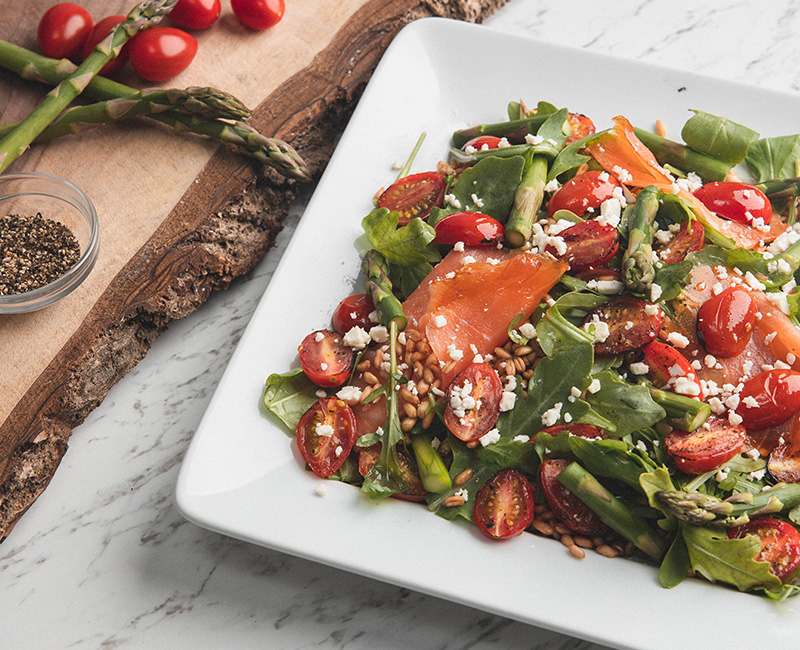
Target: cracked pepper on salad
(587, 335)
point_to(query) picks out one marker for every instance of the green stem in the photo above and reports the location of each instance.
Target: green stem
(683, 412)
(406, 169)
(637, 261)
(527, 201)
(432, 470)
(375, 269)
(668, 152)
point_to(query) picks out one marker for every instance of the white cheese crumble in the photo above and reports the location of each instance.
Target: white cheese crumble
(489, 438)
(357, 338)
(551, 415)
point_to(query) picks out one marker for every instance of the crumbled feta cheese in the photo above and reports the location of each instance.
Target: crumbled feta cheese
(489, 438)
(450, 199)
(357, 338)
(379, 334)
(686, 386)
(350, 394)
(655, 292)
(734, 418)
(454, 353)
(594, 387)
(324, 430)
(440, 321)
(521, 438)
(639, 368)
(552, 186)
(533, 139)
(322, 489)
(677, 339)
(551, 415)
(507, 400)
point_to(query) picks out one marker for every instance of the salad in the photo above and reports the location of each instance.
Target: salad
(586, 335)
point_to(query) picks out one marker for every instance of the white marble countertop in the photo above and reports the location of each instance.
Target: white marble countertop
(109, 562)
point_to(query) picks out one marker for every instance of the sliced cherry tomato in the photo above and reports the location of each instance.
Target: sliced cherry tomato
(725, 322)
(414, 490)
(780, 544)
(414, 196)
(668, 368)
(583, 192)
(98, 33)
(473, 404)
(769, 398)
(706, 448)
(581, 127)
(688, 239)
(469, 228)
(326, 434)
(195, 14)
(258, 14)
(325, 359)
(161, 53)
(567, 508)
(354, 311)
(504, 505)
(630, 325)
(736, 201)
(483, 142)
(589, 243)
(576, 429)
(784, 463)
(63, 29)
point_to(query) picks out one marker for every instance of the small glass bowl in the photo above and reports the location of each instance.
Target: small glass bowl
(29, 193)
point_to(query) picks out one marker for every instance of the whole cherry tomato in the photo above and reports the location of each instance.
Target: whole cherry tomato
(725, 322)
(780, 543)
(325, 358)
(470, 228)
(483, 142)
(568, 509)
(258, 14)
(353, 311)
(581, 127)
(63, 30)
(769, 398)
(414, 196)
(98, 33)
(736, 201)
(326, 434)
(504, 505)
(589, 243)
(161, 53)
(195, 14)
(473, 402)
(688, 239)
(705, 448)
(582, 192)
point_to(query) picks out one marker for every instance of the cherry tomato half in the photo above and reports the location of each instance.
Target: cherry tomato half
(630, 325)
(353, 311)
(567, 508)
(706, 448)
(473, 404)
(780, 544)
(582, 192)
(326, 434)
(736, 201)
(325, 359)
(258, 14)
(769, 398)
(413, 488)
(161, 53)
(784, 463)
(414, 196)
(581, 127)
(504, 505)
(576, 429)
(669, 368)
(483, 142)
(725, 322)
(63, 30)
(589, 243)
(470, 228)
(195, 14)
(98, 33)
(688, 239)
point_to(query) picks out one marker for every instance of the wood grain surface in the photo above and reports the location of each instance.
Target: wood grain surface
(181, 217)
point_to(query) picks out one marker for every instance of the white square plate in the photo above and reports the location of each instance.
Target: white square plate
(243, 477)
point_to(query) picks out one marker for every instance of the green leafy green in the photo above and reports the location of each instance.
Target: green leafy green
(774, 158)
(676, 563)
(288, 395)
(611, 458)
(628, 406)
(558, 327)
(508, 452)
(718, 137)
(404, 245)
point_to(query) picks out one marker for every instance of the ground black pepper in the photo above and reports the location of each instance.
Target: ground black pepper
(34, 251)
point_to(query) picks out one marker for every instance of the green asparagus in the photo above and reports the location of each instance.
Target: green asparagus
(432, 470)
(637, 261)
(683, 412)
(668, 152)
(374, 267)
(527, 200)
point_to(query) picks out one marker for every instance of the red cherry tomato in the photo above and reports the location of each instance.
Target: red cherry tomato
(688, 239)
(589, 244)
(353, 311)
(576, 429)
(63, 30)
(706, 448)
(413, 488)
(504, 505)
(780, 544)
(736, 201)
(769, 398)
(784, 463)
(161, 53)
(326, 434)
(567, 508)
(725, 322)
(630, 326)
(258, 14)
(195, 14)
(582, 192)
(414, 196)
(98, 33)
(325, 359)
(581, 127)
(483, 142)
(470, 228)
(473, 404)
(668, 368)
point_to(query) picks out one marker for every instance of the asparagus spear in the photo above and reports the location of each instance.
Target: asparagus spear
(705, 509)
(683, 412)
(527, 200)
(637, 261)
(375, 268)
(613, 512)
(668, 152)
(144, 15)
(432, 470)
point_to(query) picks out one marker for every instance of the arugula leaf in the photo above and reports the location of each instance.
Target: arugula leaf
(774, 158)
(718, 137)
(676, 563)
(611, 458)
(629, 406)
(508, 452)
(677, 210)
(557, 327)
(289, 395)
(405, 245)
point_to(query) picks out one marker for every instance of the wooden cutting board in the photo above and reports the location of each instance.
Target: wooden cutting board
(179, 216)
